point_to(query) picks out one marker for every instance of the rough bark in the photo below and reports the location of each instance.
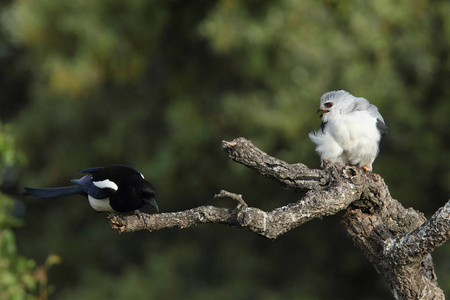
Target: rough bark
(397, 241)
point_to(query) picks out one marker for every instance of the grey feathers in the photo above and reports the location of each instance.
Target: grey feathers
(351, 129)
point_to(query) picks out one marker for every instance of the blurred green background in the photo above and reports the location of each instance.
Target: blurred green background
(158, 85)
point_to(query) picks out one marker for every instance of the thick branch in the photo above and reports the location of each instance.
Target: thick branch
(411, 279)
(414, 245)
(396, 240)
(297, 177)
(329, 191)
(268, 224)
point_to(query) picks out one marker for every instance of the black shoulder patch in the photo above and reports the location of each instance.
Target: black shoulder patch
(323, 124)
(382, 128)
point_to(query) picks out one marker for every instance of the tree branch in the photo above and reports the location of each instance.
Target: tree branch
(297, 177)
(397, 241)
(372, 232)
(268, 224)
(320, 201)
(414, 245)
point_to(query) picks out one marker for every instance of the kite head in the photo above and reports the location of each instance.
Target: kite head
(340, 102)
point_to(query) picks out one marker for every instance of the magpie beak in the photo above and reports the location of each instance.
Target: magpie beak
(153, 203)
(322, 111)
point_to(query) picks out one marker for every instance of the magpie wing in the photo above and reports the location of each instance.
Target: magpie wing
(91, 170)
(87, 185)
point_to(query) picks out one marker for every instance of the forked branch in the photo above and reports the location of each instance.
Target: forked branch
(396, 240)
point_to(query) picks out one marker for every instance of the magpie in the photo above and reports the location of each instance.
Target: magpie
(116, 189)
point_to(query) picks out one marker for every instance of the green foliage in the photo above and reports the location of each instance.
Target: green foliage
(16, 272)
(81, 44)
(20, 278)
(8, 154)
(159, 84)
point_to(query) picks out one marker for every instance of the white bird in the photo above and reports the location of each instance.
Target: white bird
(351, 130)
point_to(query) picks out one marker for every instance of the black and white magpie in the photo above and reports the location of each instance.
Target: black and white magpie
(117, 189)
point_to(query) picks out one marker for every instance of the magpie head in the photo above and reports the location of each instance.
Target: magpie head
(146, 194)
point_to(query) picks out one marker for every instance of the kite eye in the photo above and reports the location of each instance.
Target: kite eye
(328, 104)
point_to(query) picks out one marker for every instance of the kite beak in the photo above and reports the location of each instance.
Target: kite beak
(322, 111)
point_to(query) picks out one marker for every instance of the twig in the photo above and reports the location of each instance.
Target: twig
(238, 198)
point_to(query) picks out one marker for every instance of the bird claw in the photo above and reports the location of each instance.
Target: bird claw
(116, 223)
(366, 168)
(141, 216)
(325, 162)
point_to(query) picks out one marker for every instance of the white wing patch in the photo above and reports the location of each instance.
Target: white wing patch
(142, 176)
(100, 204)
(106, 184)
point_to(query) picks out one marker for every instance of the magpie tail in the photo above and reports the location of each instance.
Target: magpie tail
(51, 192)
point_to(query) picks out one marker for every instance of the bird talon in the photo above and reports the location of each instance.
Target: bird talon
(141, 216)
(116, 223)
(366, 168)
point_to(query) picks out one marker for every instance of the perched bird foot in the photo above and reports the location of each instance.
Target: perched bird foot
(116, 223)
(141, 216)
(366, 168)
(325, 162)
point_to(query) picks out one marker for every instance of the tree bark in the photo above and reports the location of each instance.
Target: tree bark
(397, 241)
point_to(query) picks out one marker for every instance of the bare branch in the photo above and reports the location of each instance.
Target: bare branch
(268, 224)
(370, 232)
(397, 241)
(414, 245)
(181, 219)
(297, 177)
(334, 190)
